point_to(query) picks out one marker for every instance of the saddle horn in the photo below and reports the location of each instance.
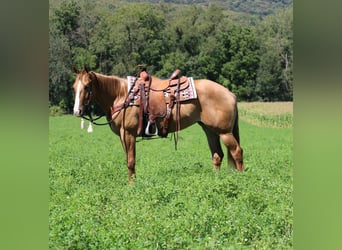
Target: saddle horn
(175, 74)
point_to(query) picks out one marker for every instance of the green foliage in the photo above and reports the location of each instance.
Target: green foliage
(261, 7)
(275, 73)
(250, 55)
(242, 61)
(170, 60)
(177, 201)
(83, 57)
(56, 110)
(59, 61)
(66, 17)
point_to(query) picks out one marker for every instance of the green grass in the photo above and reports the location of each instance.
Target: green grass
(177, 201)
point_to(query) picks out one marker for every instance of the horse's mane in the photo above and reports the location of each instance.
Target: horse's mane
(113, 84)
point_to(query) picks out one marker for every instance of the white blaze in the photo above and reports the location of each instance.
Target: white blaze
(77, 98)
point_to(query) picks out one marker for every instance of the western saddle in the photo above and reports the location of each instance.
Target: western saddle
(157, 98)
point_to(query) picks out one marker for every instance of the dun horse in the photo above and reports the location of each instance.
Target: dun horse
(214, 109)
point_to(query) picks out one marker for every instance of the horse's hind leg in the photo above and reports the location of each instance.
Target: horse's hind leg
(215, 146)
(235, 152)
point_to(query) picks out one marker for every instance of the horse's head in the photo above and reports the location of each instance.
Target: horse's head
(83, 91)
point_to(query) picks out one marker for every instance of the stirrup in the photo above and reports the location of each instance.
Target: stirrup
(147, 130)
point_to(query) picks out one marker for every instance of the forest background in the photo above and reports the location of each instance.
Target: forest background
(244, 45)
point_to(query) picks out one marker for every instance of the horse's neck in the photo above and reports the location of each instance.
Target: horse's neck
(110, 91)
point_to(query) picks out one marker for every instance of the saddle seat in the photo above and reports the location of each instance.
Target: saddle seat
(158, 84)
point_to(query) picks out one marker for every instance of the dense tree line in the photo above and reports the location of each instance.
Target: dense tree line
(250, 55)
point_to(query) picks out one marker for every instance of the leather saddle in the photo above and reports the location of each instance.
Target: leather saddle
(164, 85)
(157, 98)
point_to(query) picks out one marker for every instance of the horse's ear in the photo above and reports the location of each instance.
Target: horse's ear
(86, 68)
(75, 69)
(91, 75)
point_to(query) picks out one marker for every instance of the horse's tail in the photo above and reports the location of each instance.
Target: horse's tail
(236, 125)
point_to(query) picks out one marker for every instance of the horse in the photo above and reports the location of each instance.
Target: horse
(214, 109)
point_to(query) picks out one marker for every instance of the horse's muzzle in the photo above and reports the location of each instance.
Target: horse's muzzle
(78, 112)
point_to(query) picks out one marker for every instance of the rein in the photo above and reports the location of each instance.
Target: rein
(92, 120)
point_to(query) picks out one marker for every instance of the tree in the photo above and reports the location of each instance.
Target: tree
(275, 73)
(71, 26)
(65, 17)
(250, 56)
(59, 67)
(210, 58)
(238, 72)
(135, 34)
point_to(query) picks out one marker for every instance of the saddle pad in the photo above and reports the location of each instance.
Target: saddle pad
(186, 94)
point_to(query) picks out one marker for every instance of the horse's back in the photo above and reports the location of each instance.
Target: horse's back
(210, 91)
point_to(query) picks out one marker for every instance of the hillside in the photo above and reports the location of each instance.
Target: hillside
(259, 7)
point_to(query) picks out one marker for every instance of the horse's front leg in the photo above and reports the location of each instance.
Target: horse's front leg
(128, 143)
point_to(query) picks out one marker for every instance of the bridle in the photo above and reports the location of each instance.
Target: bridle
(88, 107)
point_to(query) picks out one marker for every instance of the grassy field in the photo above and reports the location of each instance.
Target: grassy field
(177, 201)
(267, 114)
